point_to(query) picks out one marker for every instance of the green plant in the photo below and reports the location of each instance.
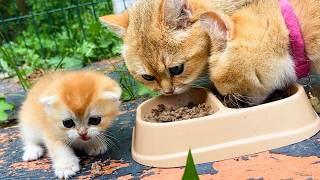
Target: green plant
(8, 61)
(4, 107)
(131, 89)
(190, 171)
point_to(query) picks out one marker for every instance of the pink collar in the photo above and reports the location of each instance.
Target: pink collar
(302, 62)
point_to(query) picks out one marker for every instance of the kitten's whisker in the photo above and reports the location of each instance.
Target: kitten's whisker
(111, 136)
(108, 133)
(67, 141)
(112, 144)
(108, 141)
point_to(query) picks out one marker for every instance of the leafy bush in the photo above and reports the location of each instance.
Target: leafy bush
(131, 89)
(60, 39)
(4, 107)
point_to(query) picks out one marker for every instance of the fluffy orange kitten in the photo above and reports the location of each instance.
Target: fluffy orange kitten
(165, 47)
(66, 110)
(250, 50)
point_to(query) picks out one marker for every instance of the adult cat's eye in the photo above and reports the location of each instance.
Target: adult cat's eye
(94, 120)
(68, 123)
(148, 77)
(177, 70)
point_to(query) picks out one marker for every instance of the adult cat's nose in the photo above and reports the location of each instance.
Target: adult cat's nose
(168, 91)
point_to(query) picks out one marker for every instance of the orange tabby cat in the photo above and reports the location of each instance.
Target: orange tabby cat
(250, 52)
(66, 110)
(164, 45)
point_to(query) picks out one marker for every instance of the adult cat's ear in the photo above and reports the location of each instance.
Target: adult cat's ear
(217, 25)
(177, 13)
(117, 23)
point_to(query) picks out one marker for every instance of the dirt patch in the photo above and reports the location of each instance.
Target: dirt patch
(41, 164)
(96, 169)
(104, 168)
(4, 138)
(2, 151)
(163, 113)
(268, 166)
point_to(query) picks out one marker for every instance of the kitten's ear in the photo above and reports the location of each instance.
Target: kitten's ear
(217, 25)
(48, 101)
(177, 13)
(118, 23)
(115, 97)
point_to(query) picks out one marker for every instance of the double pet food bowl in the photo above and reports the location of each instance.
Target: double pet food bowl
(227, 133)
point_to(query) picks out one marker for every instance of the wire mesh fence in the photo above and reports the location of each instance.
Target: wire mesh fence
(56, 34)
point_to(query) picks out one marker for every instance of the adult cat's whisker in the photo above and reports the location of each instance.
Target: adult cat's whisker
(242, 99)
(249, 97)
(195, 85)
(233, 99)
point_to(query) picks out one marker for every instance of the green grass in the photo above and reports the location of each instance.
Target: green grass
(4, 108)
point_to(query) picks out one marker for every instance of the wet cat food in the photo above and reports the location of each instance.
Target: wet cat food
(163, 113)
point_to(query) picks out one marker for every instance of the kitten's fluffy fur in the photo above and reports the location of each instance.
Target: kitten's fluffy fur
(162, 34)
(250, 52)
(59, 96)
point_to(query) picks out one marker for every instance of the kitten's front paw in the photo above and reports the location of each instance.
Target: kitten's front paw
(94, 151)
(65, 168)
(32, 152)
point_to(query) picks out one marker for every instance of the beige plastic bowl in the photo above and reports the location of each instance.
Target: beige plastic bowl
(227, 133)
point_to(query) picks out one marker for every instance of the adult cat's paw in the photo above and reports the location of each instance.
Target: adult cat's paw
(67, 167)
(94, 151)
(32, 152)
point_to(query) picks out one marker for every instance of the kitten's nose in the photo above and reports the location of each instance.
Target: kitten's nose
(83, 134)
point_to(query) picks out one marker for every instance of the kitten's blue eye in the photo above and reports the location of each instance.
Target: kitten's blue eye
(177, 70)
(148, 77)
(68, 123)
(94, 120)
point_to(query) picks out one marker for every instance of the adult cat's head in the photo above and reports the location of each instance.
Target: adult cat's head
(250, 57)
(165, 47)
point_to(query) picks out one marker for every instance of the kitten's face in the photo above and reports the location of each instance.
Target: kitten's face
(165, 47)
(87, 124)
(243, 64)
(82, 110)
